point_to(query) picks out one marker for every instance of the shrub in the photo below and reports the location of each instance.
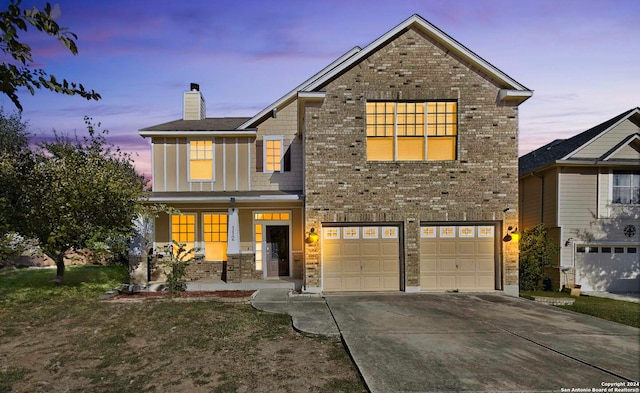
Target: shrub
(536, 252)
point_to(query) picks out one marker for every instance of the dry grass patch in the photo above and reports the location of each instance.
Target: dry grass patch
(75, 343)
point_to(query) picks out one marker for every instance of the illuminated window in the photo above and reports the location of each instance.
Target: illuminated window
(258, 239)
(428, 232)
(370, 232)
(389, 232)
(275, 216)
(447, 232)
(200, 160)
(350, 233)
(183, 231)
(215, 237)
(331, 233)
(272, 154)
(626, 188)
(466, 231)
(396, 131)
(485, 231)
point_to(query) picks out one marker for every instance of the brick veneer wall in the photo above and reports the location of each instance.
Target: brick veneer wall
(205, 270)
(341, 186)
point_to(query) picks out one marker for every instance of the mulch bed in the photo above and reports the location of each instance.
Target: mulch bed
(150, 295)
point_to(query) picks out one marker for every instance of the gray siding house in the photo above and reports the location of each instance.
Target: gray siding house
(586, 191)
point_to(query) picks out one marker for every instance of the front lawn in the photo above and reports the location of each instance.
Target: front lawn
(65, 339)
(627, 313)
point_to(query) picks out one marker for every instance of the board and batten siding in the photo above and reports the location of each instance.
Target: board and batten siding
(608, 141)
(231, 165)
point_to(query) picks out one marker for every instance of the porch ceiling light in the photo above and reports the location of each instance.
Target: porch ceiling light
(313, 237)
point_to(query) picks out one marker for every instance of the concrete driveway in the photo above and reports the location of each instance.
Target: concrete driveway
(482, 342)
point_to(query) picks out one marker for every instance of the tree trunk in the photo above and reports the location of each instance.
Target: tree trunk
(59, 268)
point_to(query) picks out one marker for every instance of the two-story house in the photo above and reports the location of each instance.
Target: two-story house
(586, 192)
(392, 169)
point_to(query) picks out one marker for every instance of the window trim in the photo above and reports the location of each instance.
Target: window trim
(425, 132)
(213, 160)
(265, 163)
(612, 187)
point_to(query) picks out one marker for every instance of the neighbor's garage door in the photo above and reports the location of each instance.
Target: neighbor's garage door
(608, 268)
(457, 257)
(361, 258)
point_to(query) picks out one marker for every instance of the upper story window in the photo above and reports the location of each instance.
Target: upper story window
(626, 188)
(411, 131)
(272, 154)
(200, 160)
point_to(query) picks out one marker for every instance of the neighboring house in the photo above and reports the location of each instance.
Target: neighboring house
(586, 191)
(392, 169)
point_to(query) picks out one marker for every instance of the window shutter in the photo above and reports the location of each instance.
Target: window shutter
(259, 156)
(287, 160)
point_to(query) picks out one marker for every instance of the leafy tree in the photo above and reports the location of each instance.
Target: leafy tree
(536, 252)
(81, 190)
(16, 161)
(20, 73)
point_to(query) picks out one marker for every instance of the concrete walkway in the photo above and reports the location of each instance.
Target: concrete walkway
(309, 313)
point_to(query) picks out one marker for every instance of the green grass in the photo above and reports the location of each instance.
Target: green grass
(627, 313)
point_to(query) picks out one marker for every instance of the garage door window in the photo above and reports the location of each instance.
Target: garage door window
(466, 231)
(331, 233)
(632, 250)
(370, 232)
(428, 232)
(606, 250)
(618, 250)
(447, 232)
(389, 232)
(485, 231)
(351, 233)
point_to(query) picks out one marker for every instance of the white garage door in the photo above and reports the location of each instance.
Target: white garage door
(608, 268)
(457, 257)
(361, 258)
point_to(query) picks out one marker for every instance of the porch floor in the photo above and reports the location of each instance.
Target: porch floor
(219, 285)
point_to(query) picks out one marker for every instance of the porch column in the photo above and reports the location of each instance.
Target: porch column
(234, 263)
(233, 232)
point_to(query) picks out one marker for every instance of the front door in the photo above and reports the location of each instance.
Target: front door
(277, 250)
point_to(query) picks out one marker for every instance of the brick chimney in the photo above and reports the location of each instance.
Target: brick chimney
(193, 105)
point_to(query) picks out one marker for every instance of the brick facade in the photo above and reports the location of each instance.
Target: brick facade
(342, 186)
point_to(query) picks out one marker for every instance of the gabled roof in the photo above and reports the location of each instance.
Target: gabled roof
(511, 90)
(562, 149)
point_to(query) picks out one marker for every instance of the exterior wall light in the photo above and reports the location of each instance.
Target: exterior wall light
(313, 237)
(512, 234)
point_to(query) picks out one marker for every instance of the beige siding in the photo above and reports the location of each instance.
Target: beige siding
(530, 201)
(181, 158)
(157, 146)
(577, 206)
(170, 164)
(604, 181)
(550, 201)
(286, 125)
(606, 142)
(193, 105)
(243, 163)
(627, 153)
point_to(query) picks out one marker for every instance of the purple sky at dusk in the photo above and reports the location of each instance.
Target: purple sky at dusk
(581, 58)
